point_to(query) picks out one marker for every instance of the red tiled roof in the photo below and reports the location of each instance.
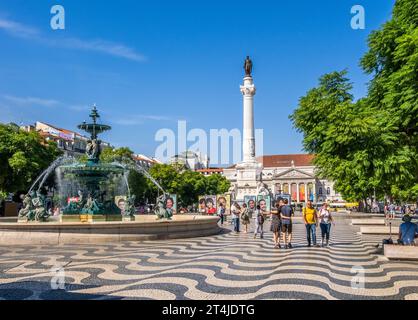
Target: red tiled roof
(211, 170)
(285, 160)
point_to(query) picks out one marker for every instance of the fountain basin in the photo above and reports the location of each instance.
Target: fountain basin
(144, 228)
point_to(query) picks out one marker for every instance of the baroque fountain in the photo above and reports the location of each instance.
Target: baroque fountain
(86, 189)
(95, 204)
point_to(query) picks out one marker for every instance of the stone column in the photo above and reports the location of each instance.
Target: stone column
(297, 192)
(248, 142)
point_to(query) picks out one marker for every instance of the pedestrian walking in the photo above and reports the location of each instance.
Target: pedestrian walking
(286, 213)
(245, 217)
(276, 224)
(392, 212)
(235, 214)
(311, 222)
(386, 211)
(325, 221)
(259, 223)
(221, 213)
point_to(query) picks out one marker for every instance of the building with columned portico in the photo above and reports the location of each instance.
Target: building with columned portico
(292, 174)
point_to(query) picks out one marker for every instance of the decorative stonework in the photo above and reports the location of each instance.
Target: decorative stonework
(248, 90)
(294, 174)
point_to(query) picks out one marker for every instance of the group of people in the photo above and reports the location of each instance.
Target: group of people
(391, 209)
(312, 218)
(245, 214)
(281, 222)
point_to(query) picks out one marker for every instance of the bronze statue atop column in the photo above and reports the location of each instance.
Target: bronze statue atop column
(248, 66)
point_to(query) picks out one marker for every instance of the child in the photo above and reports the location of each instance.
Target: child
(259, 221)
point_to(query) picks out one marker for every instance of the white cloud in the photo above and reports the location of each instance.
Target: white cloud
(102, 46)
(79, 108)
(140, 119)
(19, 30)
(31, 101)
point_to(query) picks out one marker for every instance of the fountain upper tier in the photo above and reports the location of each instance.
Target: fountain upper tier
(94, 128)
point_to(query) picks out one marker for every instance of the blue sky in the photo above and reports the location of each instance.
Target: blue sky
(148, 64)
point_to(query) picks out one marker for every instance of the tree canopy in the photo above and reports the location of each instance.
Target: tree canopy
(173, 178)
(370, 145)
(187, 184)
(23, 156)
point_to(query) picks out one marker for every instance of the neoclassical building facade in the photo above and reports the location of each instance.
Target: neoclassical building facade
(286, 174)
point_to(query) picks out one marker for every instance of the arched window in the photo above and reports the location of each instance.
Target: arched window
(328, 191)
(320, 191)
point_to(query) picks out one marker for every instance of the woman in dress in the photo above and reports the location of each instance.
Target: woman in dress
(276, 224)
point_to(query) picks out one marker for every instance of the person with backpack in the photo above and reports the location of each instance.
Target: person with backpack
(245, 217)
(259, 222)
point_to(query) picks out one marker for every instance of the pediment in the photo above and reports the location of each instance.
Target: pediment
(294, 174)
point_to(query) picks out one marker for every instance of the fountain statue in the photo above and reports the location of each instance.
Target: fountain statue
(87, 190)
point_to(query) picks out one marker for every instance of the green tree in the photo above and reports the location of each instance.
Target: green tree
(370, 146)
(392, 60)
(123, 155)
(138, 183)
(23, 156)
(216, 184)
(342, 135)
(187, 184)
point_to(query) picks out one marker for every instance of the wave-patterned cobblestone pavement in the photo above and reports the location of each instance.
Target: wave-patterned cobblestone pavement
(226, 266)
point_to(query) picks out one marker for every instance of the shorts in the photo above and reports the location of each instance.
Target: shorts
(287, 227)
(275, 227)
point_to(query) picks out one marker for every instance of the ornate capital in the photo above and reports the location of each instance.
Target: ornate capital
(248, 90)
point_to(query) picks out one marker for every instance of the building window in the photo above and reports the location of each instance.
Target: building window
(320, 191)
(328, 191)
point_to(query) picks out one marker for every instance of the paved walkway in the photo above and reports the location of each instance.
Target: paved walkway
(226, 266)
